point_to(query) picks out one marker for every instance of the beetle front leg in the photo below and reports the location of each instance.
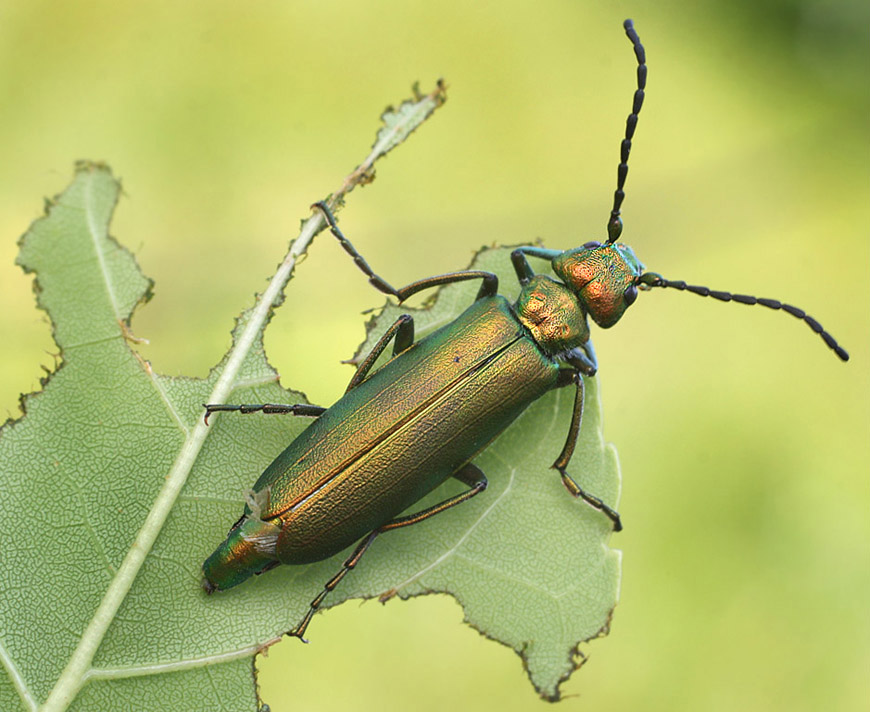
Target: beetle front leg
(487, 289)
(521, 264)
(305, 409)
(561, 463)
(375, 280)
(468, 474)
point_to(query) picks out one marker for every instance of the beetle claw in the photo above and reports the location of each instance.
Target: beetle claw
(387, 595)
(298, 632)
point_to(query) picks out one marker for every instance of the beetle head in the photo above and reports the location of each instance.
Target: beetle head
(605, 278)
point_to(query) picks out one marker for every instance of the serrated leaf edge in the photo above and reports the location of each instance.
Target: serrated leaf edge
(77, 670)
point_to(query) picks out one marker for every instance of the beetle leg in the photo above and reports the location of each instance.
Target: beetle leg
(352, 560)
(576, 419)
(543, 253)
(468, 474)
(403, 332)
(583, 359)
(522, 267)
(592, 500)
(269, 408)
(521, 264)
(487, 289)
(561, 463)
(377, 282)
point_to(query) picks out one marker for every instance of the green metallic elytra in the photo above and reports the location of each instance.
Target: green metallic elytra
(391, 440)
(400, 431)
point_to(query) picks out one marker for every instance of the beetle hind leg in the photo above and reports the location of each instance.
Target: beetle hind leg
(348, 565)
(468, 474)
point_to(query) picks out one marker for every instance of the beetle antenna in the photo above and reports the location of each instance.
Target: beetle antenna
(614, 224)
(654, 280)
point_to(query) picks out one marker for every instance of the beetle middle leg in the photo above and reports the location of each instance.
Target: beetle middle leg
(561, 463)
(468, 474)
(402, 331)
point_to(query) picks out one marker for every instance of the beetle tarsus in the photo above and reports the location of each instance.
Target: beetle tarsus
(305, 409)
(387, 595)
(375, 280)
(596, 502)
(297, 634)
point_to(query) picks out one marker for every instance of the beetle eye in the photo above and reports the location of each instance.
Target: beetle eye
(630, 295)
(591, 245)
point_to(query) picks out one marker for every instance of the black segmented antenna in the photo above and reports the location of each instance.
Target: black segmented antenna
(654, 280)
(614, 224)
(651, 279)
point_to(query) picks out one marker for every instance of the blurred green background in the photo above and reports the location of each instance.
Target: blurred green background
(743, 441)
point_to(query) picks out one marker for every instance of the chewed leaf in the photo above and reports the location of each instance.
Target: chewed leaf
(529, 564)
(98, 450)
(88, 462)
(113, 496)
(400, 122)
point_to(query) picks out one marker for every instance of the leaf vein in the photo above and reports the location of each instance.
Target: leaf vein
(170, 407)
(95, 233)
(79, 666)
(505, 575)
(16, 678)
(121, 672)
(82, 507)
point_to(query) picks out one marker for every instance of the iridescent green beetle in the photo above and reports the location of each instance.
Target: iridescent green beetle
(402, 430)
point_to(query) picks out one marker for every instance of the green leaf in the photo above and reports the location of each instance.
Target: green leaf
(401, 122)
(115, 492)
(100, 599)
(85, 473)
(529, 564)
